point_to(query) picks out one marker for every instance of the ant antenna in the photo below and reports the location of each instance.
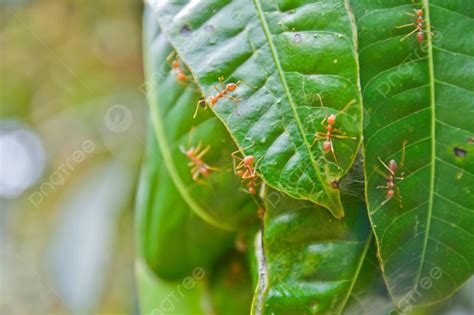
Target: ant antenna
(320, 99)
(351, 102)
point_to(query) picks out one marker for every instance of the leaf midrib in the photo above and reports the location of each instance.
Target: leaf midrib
(279, 69)
(356, 274)
(426, 5)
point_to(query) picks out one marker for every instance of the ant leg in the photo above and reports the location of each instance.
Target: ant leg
(232, 98)
(320, 99)
(172, 56)
(213, 168)
(338, 130)
(377, 170)
(221, 82)
(236, 166)
(405, 25)
(318, 136)
(324, 121)
(385, 165)
(200, 103)
(256, 163)
(351, 102)
(381, 187)
(401, 177)
(196, 178)
(333, 153)
(203, 152)
(343, 137)
(408, 35)
(216, 88)
(385, 201)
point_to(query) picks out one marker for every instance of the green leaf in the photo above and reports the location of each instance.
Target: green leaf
(225, 290)
(421, 94)
(158, 296)
(310, 262)
(285, 55)
(369, 295)
(170, 236)
(177, 217)
(171, 107)
(230, 285)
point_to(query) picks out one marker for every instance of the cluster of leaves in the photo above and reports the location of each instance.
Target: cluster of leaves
(329, 241)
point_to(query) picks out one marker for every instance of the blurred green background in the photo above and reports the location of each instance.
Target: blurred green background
(71, 141)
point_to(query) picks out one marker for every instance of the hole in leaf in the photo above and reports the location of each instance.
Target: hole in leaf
(459, 152)
(209, 28)
(297, 38)
(185, 30)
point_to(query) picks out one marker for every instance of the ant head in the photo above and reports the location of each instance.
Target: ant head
(327, 146)
(419, 12)
(332, 119)
(249, 159)
(420, 36)
(231, 86)
(392, 165)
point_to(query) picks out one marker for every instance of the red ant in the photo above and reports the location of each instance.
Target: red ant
(176, 66)
(224, 92)
(392, 169)
(419, 25)
(245, 169)
(198, 167)
(330, 133)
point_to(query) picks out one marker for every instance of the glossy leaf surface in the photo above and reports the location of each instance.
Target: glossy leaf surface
(311, 261)
(176, 216)
(158, 296)
(225, 290)
(170, 235)
(172, 104)
(230, 285)
(423, 95)
(286, 53)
